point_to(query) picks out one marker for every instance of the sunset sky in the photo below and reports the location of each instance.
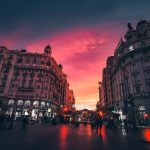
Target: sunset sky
(82, 34)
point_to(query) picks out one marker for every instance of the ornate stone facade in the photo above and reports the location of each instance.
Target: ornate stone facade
(130, 73)
(32, 82)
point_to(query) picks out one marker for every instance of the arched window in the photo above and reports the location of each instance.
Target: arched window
(27, 103)
(35, 104)
(42, 105)
(11, 102)
(20, 103)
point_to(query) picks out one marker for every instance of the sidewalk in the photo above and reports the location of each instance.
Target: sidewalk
(143, 134)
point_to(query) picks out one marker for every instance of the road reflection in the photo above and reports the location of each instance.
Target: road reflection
(147, 134)
(63, 134)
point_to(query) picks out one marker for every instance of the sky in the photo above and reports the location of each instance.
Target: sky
(81, 33)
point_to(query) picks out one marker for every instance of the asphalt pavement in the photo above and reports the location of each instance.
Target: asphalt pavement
(66, 137)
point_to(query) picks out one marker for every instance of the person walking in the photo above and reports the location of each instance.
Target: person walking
(106, 125)
(100, 124)
(1, 122)
(11, 121)
(97, 122)
(24, 122)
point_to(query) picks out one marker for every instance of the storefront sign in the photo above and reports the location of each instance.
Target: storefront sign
(18, 109)
(49, 110)
(141, 108)
(42, 110)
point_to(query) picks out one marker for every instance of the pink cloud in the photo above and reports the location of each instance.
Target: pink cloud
(82, 52)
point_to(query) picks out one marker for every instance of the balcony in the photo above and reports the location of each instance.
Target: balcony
(25, 74)
(32, 74)
(4, 79)
(28, 61)
(6, 72)
(10, 58)
(16, 74)
(7, 65)
(2, 86)
(48, 63)
(42, 62)
(39, 80)
(19, 60)
(25, 88)
(40, 75)
(24, 80)
(15, 80)
(143, 45)
(34, 62)
(31, 80)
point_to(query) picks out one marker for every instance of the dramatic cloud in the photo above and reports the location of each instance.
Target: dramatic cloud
(82, 34)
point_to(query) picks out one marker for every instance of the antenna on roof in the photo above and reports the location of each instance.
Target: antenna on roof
(141, 19)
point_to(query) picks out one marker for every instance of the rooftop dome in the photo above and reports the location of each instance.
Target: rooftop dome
(60, 66)
(48, 46)
(141, 23)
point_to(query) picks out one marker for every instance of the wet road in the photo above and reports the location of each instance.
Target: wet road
(66, 137)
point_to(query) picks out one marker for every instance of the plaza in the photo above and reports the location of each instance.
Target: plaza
(66, 137)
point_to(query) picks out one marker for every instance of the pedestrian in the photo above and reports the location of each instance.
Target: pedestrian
(1, 122)
(97, 123)
(100, 124)
(24, 122)
(106, 125)
(46, 119)
(11, 121)
(7, 122)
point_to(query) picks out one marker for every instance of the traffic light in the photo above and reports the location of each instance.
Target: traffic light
(145, 115)
(101, 113)
(65, 109)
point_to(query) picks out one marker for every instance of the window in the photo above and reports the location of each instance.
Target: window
(5, 76)
(34, 58)
(126, 80)
(28, 58)
(46, 88)
(7, 69)
(37, 94)
(133, 66)
(20, 103)
(144, 52)
(10, 57)
(110, 103)
(27, 103)
(137, 89)
(143, 43)
(13, 85)
(109, 90)
(148, 75)
(146, 63)
(38, 86)
(1, 91)
(108, 79)
(136, 78)
(132, 56)
(45, 95)
(3, 84)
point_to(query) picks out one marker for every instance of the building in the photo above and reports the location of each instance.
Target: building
(130, 74)
(105, 87)
(31, 83)
(101, 103)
